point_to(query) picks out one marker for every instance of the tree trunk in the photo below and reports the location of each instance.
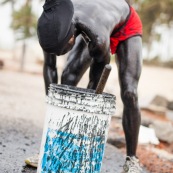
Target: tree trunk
(12, 6)
(129, 2)
(13, 49)
(22, 62)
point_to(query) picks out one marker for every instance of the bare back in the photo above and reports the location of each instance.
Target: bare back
(101, 16)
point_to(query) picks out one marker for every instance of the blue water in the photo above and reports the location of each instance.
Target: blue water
(69, 153)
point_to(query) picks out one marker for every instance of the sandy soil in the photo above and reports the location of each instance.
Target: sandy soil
(22, 118)
(15, 87)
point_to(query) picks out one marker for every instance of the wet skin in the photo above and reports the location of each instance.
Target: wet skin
(94, 22)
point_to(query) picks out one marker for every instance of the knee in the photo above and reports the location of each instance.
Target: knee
(130, 98)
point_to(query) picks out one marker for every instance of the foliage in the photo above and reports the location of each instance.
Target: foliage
(154, 13)
(7, 1)
(24, 21)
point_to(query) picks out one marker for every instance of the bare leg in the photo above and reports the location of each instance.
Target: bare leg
(130, 64)
(49, 70)
(78, 62)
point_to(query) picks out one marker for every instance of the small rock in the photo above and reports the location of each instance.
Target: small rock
(146, 121)
(147, 136)
(157, 109)
(163, 154)
(159, 101)
(164, 130)
(1, 64)
(118, 142)
(169, 114)
(158, 105)
(170, 105)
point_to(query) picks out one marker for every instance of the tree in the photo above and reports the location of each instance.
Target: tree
(153, 14)
(24, 24)
(9, 1)
(3, 2)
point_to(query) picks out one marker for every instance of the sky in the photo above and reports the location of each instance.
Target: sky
(6, 34)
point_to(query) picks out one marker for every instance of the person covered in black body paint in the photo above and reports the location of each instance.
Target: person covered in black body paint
(89, 31)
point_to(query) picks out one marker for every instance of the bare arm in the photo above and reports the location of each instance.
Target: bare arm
(98, 46)
(49, 70)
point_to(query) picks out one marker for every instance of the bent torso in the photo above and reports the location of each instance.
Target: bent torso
(95, 20)
(100, 16)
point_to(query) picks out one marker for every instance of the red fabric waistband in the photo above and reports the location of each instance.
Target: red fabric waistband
(132, 27)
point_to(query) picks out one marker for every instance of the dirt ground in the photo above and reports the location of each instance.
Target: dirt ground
(17, 106)
(22, 105)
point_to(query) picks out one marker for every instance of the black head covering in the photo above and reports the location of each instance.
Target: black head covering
(55, 26)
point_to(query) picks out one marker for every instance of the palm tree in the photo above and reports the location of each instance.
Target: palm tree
(24, 24)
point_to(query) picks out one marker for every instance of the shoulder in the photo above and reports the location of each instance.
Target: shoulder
(100, 13)
(98, 18)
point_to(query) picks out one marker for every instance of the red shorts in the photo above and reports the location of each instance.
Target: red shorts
(132, 27)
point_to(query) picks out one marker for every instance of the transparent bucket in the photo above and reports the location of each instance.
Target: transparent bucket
(75, 130)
